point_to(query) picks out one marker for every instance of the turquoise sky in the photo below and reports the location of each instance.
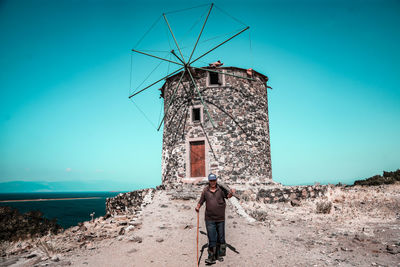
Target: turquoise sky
(65, 116)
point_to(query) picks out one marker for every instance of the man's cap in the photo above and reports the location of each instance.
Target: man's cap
(212, 177)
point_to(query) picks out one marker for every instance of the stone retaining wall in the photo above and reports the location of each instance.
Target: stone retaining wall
(128, 203)
(289, 193)
(133, 202)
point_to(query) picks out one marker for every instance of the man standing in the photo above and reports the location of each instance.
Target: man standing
(214, 196)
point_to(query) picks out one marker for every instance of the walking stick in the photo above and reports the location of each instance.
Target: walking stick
(197, 258)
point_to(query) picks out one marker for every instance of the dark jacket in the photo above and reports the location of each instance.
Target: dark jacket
(215, 203)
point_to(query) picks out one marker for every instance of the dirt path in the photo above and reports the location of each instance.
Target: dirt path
(290, 236)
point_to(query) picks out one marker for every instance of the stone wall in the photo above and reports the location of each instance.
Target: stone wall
(238, 148)
(283, 193)
(133, 202)
(129, 203)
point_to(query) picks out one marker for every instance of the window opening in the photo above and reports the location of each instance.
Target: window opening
(214, 78)
(196, 114)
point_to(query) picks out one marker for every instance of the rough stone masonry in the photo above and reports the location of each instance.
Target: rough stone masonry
(237, 149)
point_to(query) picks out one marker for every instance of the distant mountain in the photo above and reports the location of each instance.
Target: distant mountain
(66, 186)
(22, 186)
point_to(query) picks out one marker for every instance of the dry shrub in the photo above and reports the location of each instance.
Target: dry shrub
(17, 226)
(4, 246)
(324, 207)
(47, 248)
(259, 215)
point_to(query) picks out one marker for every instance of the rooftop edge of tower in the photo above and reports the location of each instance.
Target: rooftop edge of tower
(262, 76)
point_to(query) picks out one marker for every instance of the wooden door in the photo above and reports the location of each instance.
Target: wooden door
(197, 159)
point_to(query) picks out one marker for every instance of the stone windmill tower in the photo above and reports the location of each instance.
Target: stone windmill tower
(215, 121)
(237, 147)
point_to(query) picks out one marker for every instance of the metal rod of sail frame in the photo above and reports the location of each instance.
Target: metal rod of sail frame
(230, 38)
(171, 100)
(173, 36)
(201, 99)
(150, 55)
(173, 52)
(202, 28)
(169, 75)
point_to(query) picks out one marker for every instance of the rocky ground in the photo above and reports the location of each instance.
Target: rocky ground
(349, 226)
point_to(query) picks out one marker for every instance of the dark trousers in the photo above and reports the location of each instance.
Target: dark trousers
(215, 233)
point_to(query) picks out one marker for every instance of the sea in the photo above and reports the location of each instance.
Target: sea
(68, 208)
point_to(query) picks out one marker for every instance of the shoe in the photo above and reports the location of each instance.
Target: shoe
(211, 256)
(220, 253)
(222, 250)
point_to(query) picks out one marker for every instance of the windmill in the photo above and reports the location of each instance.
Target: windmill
(203, 118)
